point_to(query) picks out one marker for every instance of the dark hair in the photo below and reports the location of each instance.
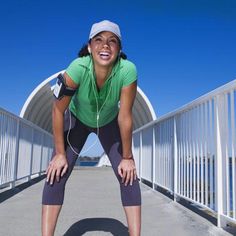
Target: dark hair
(84, 52)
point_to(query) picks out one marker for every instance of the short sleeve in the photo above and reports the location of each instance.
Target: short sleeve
(130, 74)
(75, 70)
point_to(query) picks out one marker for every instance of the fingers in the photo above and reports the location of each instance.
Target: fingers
(131, 177)
(53, 172)
(124, 176)
(64, 170)
(58, 175)
(120, 171)
(56, 168)
(48, 172)
(135, 174)
(127, 172)
(48, 168)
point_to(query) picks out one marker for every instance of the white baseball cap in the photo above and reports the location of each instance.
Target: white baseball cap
(105, 25)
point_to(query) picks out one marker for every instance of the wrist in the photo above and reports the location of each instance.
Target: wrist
(62, 153)
(129, 157)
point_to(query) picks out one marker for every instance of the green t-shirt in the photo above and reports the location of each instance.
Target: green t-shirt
(83, 104)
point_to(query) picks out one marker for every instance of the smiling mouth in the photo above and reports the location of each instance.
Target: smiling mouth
(105, 55)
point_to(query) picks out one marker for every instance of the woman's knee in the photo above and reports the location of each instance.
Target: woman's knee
(53, 194)
(130, 194)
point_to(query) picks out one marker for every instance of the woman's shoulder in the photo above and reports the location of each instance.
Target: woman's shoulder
(128, 72)
(127, 65)
(77, 68)
(82, 61)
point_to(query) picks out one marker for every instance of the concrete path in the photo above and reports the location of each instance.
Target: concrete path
(92, 207)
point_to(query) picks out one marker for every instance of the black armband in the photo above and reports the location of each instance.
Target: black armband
(61, 90)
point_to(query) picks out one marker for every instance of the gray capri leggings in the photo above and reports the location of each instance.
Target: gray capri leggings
(109, 136)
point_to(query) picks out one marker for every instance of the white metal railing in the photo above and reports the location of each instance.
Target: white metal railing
(25, 149)
(191, 152)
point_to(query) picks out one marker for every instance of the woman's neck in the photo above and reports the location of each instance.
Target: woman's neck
(101, 72)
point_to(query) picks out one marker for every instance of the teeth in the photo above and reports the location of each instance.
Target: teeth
(104, 54)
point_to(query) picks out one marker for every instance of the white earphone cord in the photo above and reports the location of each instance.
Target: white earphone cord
(97, 118)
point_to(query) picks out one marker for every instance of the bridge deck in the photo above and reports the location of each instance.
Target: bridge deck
(92, 207)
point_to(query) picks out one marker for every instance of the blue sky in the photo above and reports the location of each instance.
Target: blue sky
(182, 49)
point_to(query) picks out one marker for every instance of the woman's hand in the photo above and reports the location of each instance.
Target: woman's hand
(56, 168)
(127, 171)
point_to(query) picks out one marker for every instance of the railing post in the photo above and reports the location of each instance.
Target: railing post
(140, 155)
(12, 184)
(175, 153)
(31, 154)
(153, 157)
(219, 160)
(41, 155)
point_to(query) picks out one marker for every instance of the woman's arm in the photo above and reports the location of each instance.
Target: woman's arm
(127, 168)
(59, 107)
(58, 166)
(125, 119)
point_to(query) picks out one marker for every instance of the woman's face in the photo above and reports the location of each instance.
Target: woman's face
(105, 47)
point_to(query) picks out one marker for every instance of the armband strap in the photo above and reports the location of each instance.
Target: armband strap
(61, 90)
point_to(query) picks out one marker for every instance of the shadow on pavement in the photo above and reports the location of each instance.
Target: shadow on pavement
(112, 226)
(5, 195)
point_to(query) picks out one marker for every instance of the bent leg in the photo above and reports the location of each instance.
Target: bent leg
(130, 194)
(53, 195)
(78, 133)
(111, 141)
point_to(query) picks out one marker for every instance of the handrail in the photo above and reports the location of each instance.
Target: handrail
(25, 149)
(190, 152)
(221, 90)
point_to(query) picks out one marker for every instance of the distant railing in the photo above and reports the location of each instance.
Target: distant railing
(191, 152)
(25, 149)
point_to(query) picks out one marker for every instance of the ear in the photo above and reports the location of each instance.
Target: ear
(89, 49)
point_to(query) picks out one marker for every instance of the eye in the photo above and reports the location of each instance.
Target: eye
(113, 41)
(97, 39)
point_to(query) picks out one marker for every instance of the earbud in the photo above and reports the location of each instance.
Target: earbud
(89, 50)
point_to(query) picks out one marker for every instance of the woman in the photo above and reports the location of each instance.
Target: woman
(105, 85)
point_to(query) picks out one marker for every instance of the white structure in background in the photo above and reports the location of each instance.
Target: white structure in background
(37, 107)
(104, 161)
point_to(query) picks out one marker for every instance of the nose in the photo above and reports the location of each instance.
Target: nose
(105, 45)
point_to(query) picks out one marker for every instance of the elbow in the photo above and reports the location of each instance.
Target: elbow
(56, 109)
(125, 119)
